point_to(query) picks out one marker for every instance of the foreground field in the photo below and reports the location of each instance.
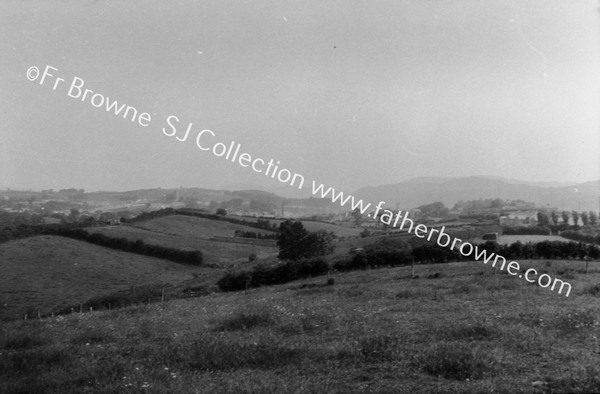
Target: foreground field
(373, 331)
(47, 273)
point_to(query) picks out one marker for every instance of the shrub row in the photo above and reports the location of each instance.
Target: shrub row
(399, 254)
(10, 233)
(577, 235)
(262, 224)
(534, 230)
(140, 247)
(254, 235)
(262, 275)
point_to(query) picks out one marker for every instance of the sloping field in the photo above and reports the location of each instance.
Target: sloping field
(340, 231)
(213, 251)
(47, 273)
(378, 331)
(194, 227)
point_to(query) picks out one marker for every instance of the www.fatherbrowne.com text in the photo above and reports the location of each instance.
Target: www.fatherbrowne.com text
(207, 141)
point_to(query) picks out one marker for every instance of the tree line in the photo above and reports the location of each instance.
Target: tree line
(546, 220)
(193, 257)
(254, 235)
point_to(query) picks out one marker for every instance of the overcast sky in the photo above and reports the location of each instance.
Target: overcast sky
(351, 93)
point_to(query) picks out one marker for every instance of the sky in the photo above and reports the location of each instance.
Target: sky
(348, 93)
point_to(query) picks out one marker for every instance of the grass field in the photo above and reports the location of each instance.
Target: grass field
(194, 227)
(372, 332)
(340, 231)
(46, 273)
(213, 251)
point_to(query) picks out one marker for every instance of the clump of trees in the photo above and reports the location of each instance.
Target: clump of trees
(295, 242)
(255, 235)
(385, 252)
(263, 275)
(582, 236)
(436, 209)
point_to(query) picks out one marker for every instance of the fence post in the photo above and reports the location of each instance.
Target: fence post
(162, 295)
(39, 315)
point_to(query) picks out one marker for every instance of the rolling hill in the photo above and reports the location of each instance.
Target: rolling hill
(47, 273)
(425, 190)
(191, 233)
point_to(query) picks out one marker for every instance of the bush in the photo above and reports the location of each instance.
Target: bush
(535, 230)
(235, 281)
(263, 275)
(594, 290)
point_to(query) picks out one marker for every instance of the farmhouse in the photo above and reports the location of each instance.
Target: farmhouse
(519, 218)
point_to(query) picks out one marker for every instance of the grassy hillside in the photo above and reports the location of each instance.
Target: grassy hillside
(340, 231)
(46, 273)
(373, 331)
(194, 227)
(213, 251)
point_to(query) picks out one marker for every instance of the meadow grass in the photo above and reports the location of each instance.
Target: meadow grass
(373, 331)
(214, 252)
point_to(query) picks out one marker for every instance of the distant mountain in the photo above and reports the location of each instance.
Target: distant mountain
(425, 190)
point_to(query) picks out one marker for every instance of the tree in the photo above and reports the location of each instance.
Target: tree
(565, 217)
(575, 216)
(74, 214)
(295, 242)
(221, 212)
(496, 203)
(542, 218)
(554, 217)
(585, 218)
(357, 217)
(593, 218)
(436, 209)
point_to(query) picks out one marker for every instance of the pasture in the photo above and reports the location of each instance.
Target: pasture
(214, 252)
(340, 231)
(47, 273)
(462, 330)
(194, 227)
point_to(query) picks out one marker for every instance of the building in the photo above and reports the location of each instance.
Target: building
(520, 219)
